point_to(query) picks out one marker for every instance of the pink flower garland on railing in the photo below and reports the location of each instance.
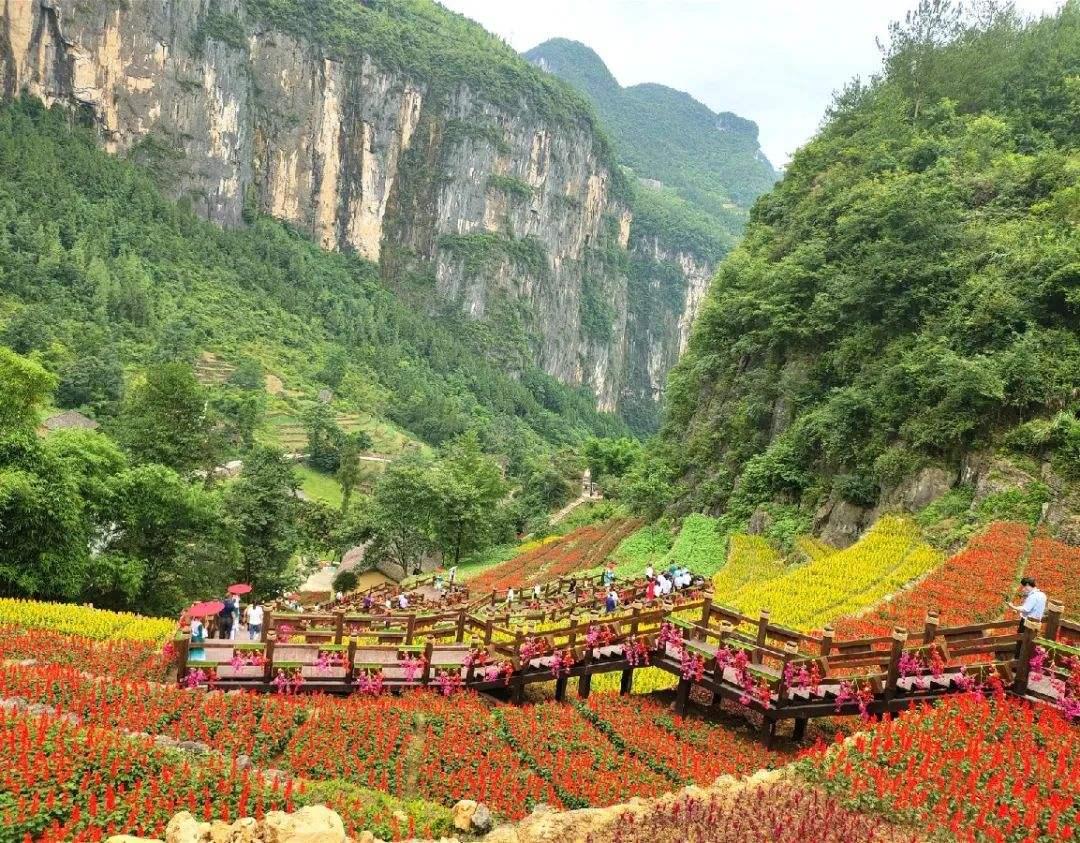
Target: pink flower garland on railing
(562, 661)
(851, 692)
(288, 682)
(636, 652)
(413, 667)
(328, 659)
(599, 636)
(1066, 690)
(799, 678)
(449, 681)
(370, 682)
(247, 659)
(532, 648)
(198, 676)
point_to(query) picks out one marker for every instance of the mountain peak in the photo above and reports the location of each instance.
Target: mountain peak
(577, 63)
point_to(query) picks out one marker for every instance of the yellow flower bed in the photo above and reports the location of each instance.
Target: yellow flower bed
(646, 681)
(751, 559)
(98, 624)
(812, 595)
(813, 548)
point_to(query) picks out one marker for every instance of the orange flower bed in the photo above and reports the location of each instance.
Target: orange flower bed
(1056, 569)
(584, 548)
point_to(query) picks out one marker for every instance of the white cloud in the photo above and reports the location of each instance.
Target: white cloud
(776, 62)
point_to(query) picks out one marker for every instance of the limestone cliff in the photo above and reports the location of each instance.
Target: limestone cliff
(500, 210)
(667, 287)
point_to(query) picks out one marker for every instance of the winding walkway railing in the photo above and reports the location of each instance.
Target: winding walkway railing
(778, 672)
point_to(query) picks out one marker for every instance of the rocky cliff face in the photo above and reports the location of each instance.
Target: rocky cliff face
(667, 288)
(499, 211)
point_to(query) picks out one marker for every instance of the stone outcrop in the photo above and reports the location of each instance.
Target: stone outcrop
(311, 824)
(509, 215)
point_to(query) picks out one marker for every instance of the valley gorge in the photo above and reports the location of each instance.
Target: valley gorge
(502, 211)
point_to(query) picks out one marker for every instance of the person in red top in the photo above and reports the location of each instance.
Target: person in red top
(650, 590)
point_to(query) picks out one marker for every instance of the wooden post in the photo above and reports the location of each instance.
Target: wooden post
(706, 611)
(768, 731)
(584, 685)
(425, 677)
(560, 689)
(626, 683)
(762, 635)
(635, 610)
(899, 636)
(339, 625)
(931, 626)
(183, 644)
(488, 632)
(268, 625)
(800, 728)
(682, 695)
(518, 692)
(1027, 650)
(268, 668)
(409, 624)
(350, 660)
(459, 632)
(827, 635)
(1054, 611)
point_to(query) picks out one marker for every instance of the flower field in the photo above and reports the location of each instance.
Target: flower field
(783, 812)
(92, 742)
(686, 750)
(969, 588)
(751, 561)
(84, 621)
(584, 767)
(970, 769)
(577, 551)
(121, 658)
(810, 596)
(1056, 568)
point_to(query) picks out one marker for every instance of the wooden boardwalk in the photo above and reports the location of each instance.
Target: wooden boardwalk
(779, 673)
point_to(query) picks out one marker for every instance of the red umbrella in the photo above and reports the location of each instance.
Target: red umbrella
(202, 610)
(239, 588)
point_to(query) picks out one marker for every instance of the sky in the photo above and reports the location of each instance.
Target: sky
(776, 62)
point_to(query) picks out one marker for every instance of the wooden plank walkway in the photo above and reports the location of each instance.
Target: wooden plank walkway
(779, 673)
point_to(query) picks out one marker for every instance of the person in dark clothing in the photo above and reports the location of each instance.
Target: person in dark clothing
(225, 620)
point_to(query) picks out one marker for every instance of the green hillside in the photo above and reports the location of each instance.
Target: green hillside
(911, 289)
(95, 265)
(710, 161)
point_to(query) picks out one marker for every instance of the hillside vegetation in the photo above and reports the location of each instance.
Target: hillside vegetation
(911, 290)
(96, 266)
(710, 161)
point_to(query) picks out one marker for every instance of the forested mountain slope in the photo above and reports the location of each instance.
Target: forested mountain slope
(910, 292)
(693, 175)
(99, 271)
(394, 129)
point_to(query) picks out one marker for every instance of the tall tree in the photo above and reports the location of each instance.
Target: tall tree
(24, 388)
(262, 507)
(164, 419)
(325, 437)
(349, 472)
(403, 513)
(468, 486)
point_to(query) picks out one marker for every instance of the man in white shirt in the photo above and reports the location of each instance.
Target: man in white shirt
(403, 601)
(649, 572)
(1033, 607)
(254, 621)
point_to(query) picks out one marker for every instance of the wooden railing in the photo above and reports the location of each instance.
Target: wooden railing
(749, 660)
